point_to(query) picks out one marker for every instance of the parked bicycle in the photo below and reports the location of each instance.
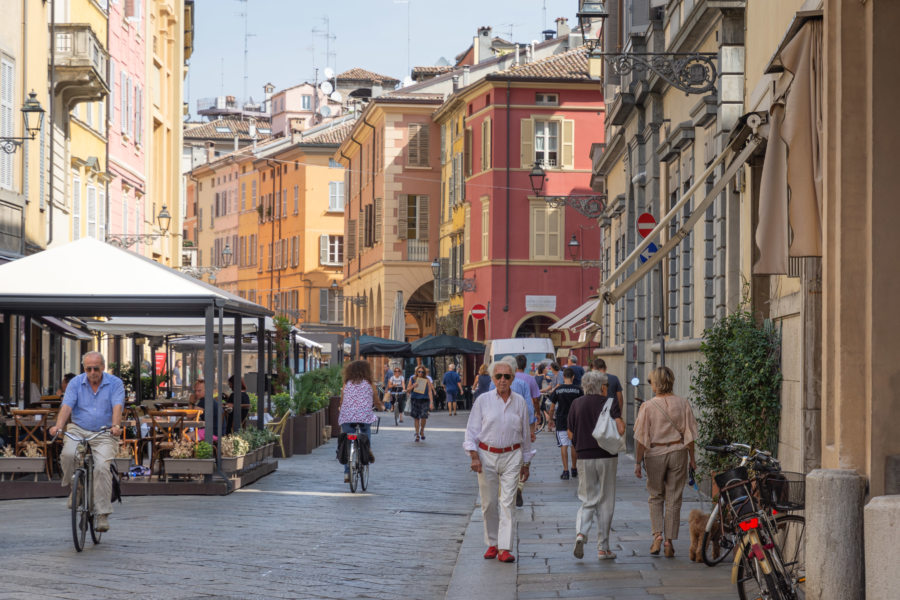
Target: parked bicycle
(82, 489)
(755, 516)
(358, 459)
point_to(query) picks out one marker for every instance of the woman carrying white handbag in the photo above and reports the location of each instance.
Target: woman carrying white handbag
(596, 465)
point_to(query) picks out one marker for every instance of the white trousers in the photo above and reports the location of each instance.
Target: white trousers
(499, 477)
(597, 492)
(104, 448)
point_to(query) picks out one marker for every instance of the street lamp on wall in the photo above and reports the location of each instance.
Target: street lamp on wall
(33, 115)
(163, 219)
(590, 206)
(573, 246)
(466, 284)
(590, 10)
(226, 255)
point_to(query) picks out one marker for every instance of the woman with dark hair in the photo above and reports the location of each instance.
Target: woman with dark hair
(357, 398)
(664, 434)
(421, 399)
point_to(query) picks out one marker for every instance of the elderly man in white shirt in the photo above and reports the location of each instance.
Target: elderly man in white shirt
(498, 438)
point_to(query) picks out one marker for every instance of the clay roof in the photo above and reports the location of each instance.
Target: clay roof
(430, 70)
(225, 129)
(415, 97)
(329, 134)
(357, 74)
(569, 66)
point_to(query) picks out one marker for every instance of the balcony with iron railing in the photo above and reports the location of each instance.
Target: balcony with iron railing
(80, 64)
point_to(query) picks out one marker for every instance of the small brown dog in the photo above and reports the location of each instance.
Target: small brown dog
(697, 524)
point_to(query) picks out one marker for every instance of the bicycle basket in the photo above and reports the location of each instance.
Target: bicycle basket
(784, 491)
(734, 485)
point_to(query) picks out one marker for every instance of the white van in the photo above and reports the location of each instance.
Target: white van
(534, 349)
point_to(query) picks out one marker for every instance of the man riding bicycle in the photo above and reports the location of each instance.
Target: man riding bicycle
(94, 400)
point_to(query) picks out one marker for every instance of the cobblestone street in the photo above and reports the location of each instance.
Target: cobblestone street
(299, 533)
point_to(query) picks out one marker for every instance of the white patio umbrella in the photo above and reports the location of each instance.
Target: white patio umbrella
(398, 320)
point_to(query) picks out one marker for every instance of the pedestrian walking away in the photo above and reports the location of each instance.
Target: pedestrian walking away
(597, 483)
(421, 399)
(561, 400)
(453, 386)
(358, 396)
(93, 400)
(613, 385)
(579, 371)
(498, 440)
(664, 434)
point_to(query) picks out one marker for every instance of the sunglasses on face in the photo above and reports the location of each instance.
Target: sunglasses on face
(89, 369)
(505, 376)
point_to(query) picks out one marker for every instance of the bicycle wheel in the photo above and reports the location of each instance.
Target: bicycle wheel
(354, 467)
(95, 535)
(364, 476)
(717, 543)
(80, 510)
(753, 583)
(789, 544)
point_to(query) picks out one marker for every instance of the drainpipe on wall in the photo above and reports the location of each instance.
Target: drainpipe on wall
(506, 268)
(106, 116)
(51, 113)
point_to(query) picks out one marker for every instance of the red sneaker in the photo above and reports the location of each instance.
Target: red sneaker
(507, 557)
(491, 552)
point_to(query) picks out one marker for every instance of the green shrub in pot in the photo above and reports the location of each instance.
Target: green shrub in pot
(203, 450)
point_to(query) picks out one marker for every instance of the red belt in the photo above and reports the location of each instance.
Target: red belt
(484, 446)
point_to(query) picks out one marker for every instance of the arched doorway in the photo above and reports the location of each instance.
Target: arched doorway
(420, 310)
(535, 326)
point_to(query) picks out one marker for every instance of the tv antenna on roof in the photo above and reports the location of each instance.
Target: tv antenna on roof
(244, 13)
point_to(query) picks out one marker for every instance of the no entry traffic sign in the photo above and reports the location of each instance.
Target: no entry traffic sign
(479, 311)
(645, 224)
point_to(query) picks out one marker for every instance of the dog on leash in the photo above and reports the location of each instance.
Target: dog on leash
(697, 525)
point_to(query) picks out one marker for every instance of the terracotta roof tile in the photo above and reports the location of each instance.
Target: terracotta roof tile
(329, 135)
(431, 70)
(225, 129)
(358, 74)
(571, 65)
(401, 96)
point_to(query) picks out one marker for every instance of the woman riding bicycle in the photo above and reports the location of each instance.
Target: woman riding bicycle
(395, 394)
(357, 397)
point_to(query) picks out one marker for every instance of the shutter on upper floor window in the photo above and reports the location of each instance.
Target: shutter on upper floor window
(323, 306)
(527, 143)
(445, 278)
(361, 231)
(467, 231)
(379, 219)
(538, 232)
(323, 249)
(417, 145)
(351, 239)
(422, 217)
(568, 144)
(467, 150)
(403, 218)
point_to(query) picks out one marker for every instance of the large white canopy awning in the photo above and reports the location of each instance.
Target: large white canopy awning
(161, 326)
(89, 278)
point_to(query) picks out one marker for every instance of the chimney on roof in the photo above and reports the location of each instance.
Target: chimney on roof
(562, 27)
(482, 45)
(465, 80)
(455, 82)
(548, 34)
(210, 151)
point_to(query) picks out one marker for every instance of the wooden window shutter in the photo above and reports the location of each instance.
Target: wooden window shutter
(467, 231)
(379, 219)
(403, 217)
(539, 232)
(323, 306)
(467, 148)
(553, 233)
(527, 143)
(422, 217)
(443, 288)
(568, 144)
(417, 145)
(351, 239)
(423, 144)
(361, 231)
(323, 249)
(486, 144)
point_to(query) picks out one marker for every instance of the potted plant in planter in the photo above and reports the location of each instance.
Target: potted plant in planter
(234, 450)
(33, 460)
(187, 458)
(315, 390)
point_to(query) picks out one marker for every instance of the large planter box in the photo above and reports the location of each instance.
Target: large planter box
(22, 464)
(123, 464)
(333, 415)
(189, 466)
(287, 440)
(320, 425)
(305, 434)
(234, 464)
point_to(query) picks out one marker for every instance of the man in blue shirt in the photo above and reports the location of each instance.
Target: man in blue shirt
(453, 387)
(93, 400)
(579, 371)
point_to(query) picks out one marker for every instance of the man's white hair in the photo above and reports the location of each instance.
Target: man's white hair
(94, 353)
(501, 363)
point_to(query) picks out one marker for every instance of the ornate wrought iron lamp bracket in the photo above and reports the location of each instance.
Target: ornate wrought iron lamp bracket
(692, 72)
(466, 285)
(127, 241)
(590, 206)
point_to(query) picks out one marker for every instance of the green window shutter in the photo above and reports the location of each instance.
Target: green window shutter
(527, 143)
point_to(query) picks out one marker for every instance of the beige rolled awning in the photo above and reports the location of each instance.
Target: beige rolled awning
(575, 318)
(609, 290)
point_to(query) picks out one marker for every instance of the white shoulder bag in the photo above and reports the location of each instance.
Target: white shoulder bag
(605, 431)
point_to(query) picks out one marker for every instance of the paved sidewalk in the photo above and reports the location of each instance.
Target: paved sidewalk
(545, 566)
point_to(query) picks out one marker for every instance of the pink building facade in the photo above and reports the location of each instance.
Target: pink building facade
(128, 210)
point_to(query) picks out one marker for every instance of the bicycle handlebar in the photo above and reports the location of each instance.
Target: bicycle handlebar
(76, 438)
(759, 456)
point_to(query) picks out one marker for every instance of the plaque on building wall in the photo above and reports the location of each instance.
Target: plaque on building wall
(540, 303)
